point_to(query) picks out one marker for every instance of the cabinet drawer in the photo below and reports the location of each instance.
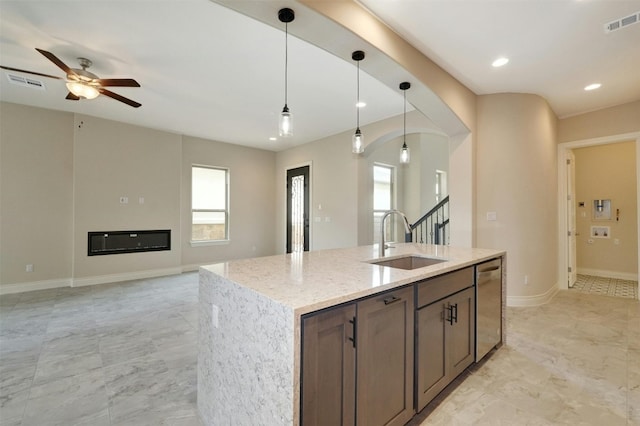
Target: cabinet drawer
(436, 288)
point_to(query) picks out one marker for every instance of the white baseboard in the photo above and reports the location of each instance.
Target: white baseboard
(191, 268)
(34, 285)
(95, 280)
(608, 274)
(537, 300)
(127, 276)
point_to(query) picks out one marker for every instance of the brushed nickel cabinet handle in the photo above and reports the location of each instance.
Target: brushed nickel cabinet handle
(391, 299)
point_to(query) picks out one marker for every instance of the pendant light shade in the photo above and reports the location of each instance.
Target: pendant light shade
(405, 154)
(286, 122)
(357, 142)
(286, 15)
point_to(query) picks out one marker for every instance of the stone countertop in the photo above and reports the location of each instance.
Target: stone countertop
(314, 280)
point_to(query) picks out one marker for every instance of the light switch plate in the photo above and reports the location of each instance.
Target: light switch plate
(491, 216)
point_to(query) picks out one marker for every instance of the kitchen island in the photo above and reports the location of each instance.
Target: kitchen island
(250, 316)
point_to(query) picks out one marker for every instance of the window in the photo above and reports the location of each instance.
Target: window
(383, 195)
(441, 185)
(209, 204)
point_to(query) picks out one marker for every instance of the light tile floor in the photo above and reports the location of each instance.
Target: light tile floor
(125, 354)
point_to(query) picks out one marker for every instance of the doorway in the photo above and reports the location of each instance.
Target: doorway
(564, 181)
(298, 209)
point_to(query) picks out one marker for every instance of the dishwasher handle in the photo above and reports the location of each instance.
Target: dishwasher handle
(488, 269)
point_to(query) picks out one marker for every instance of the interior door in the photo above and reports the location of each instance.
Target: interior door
(298, 209)
(571, 218)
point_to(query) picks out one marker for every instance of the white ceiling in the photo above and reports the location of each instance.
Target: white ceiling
(211, 72)
(555, 47)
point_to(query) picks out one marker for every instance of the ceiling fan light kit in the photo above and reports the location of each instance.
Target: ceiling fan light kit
(83, 84)
(80, 81)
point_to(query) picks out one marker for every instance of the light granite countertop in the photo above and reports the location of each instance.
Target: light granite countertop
(309, 281)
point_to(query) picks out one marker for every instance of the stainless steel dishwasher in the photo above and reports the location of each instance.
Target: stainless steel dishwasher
(488, 306)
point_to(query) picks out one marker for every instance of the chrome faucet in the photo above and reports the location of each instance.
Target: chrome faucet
(407, 228)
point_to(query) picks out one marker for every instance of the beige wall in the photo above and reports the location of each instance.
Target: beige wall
(333, 187)
(516, 178)
(251, 204)
(36, 181)
(607, 172)
(62, 175)
(114, 160)
(616, 120)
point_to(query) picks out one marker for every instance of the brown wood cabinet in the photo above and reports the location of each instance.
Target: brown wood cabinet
(385, 358)
(381, 327)
(329, 367)
(445, 332)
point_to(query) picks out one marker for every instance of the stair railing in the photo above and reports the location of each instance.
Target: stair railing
(433, 227)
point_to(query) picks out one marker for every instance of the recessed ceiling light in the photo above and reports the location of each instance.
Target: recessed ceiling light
(500, 62)
(361, 104)
(273, 138)
(593, 86)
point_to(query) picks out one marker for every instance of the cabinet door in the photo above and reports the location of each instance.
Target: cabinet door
(461, 333)
(431, 362)
(445, 343)
(328, 368)
(385, 358)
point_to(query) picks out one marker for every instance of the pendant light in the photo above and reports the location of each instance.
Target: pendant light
(357, 142)
(405, 155)
(286, 15)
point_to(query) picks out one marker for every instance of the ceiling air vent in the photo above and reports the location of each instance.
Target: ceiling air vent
(26, 82)
(622, 23)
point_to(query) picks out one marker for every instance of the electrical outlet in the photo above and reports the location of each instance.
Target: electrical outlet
(124, 200)
(29, 267)
(526, 280)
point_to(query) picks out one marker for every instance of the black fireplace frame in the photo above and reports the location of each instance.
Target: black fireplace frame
(118, 242)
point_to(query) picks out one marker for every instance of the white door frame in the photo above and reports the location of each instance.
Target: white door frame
(563, 263)
(571, 217)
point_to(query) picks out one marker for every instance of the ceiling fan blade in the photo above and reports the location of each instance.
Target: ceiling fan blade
(53, 58)
(119, 98)
(30, 72)
(72, 97)
(119, 82)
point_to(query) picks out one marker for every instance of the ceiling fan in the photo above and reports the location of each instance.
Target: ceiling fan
(83, 84)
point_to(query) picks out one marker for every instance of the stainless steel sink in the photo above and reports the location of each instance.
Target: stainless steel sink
(408, 262)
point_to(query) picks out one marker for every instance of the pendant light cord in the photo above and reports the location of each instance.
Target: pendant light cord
(358, 98)
(404, 134)
(286, 59)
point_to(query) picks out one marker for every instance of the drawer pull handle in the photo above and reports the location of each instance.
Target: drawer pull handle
(391, 299)
(489, 269)
(353, 339)
(453, 313)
